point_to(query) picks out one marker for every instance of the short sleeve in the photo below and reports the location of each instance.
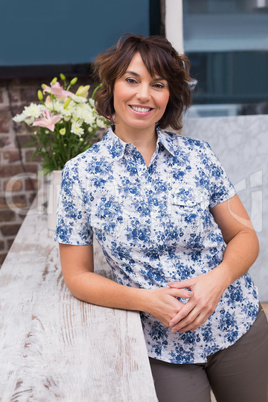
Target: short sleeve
(72, 218)
(220, 187)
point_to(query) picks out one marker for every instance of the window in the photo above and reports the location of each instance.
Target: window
(227, 44)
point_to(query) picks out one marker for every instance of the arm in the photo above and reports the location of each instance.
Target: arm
(241, 251)
(78, 266)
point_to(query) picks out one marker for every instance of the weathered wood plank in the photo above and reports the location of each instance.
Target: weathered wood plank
(55, 347)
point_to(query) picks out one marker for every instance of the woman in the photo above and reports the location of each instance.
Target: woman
(172, 229)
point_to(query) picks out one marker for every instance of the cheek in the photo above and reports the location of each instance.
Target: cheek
(121, 92)
(164, 101)
(167, 98)
(117, 97)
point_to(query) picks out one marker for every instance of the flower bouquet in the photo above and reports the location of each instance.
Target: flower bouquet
(66, 123)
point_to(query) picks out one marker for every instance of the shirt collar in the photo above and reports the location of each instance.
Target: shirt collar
(117, 147)
(114, 144)
(167, 140)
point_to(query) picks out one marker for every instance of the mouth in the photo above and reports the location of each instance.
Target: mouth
(140, 109)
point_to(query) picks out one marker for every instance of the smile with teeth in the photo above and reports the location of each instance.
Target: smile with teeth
(141, 109)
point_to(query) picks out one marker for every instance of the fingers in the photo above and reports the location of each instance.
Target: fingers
(193, 326)
(193, 321)
(184, 312)
(189, 318)
(163, 303)
(183, 293)
(182, 284)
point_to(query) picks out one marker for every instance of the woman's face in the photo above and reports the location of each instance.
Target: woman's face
(140, 100)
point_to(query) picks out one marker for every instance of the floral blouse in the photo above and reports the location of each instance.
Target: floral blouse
(154, 226)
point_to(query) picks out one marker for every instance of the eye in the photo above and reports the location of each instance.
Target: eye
(131, 80)
(158, 85)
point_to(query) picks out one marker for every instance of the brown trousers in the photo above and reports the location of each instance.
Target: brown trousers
(236, 374)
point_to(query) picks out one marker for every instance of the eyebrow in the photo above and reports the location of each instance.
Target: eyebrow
(138, 75)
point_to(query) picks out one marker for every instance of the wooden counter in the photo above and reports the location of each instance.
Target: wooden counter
(55, 347)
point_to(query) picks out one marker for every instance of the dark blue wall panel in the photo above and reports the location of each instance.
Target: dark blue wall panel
(35, 32)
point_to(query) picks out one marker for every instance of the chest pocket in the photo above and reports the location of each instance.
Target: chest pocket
(186, 212)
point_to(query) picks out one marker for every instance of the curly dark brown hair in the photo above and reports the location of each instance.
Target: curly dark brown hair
(160, 58)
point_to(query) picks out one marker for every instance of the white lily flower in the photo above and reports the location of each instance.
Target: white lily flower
(78, 99)
(76, 128)
(100, 123)
(30, 113)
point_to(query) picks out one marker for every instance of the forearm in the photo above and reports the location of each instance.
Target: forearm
(96, 289)
(161, 302)
(77, 264)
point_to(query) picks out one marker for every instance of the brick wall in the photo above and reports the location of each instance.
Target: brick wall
(18, 173)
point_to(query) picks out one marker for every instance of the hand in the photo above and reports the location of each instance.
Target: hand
(163, 304)
(207, 291)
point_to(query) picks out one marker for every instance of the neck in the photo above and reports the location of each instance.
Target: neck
(139, 138)
(144, 140)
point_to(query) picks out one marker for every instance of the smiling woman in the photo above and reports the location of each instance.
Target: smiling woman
(165, 214)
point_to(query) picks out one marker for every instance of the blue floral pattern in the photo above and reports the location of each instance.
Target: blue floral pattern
(154, 226)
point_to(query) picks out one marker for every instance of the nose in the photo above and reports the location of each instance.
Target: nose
(143, 93)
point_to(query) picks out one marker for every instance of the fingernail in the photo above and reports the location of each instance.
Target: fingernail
(172, 324)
